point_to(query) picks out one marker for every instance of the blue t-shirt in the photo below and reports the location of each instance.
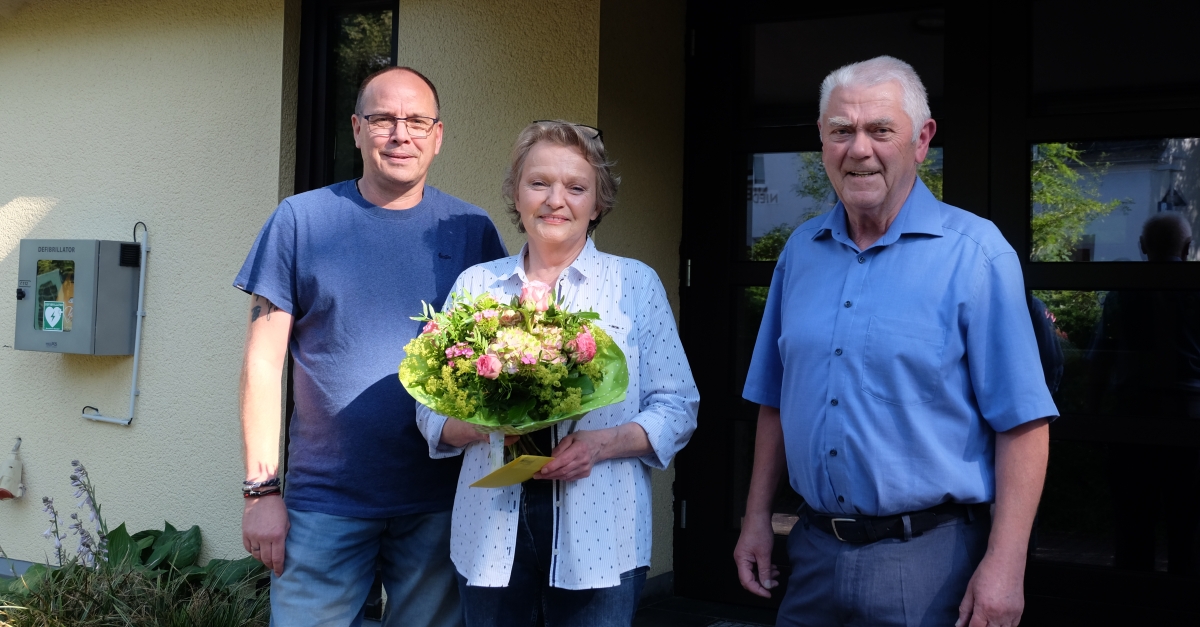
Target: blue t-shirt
(893, 367)
(352, 274)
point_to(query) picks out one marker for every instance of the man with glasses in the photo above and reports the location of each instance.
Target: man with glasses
(334, 276)
(899, 384)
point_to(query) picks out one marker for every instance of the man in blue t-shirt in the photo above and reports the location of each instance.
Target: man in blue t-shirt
(334, 276)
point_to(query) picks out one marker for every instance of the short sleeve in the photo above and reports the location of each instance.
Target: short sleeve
(493, 245)
(270, 268)
(1002, 353)
(764, 381)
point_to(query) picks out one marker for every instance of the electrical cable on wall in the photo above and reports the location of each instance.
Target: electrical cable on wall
(134, 392)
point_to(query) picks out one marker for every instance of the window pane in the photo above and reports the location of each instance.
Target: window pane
(1122, 489)
(1073, 53)
(363, 45)
(792, 58)
(748, 317)
(785, 189)
(1090, 201)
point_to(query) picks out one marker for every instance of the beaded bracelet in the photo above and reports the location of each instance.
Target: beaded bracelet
(253, 494)
(254, 485)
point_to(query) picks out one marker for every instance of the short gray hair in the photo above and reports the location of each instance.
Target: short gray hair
(571, 135)
(872, 72)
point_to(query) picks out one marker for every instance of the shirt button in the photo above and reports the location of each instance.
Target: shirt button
(846, 304)
(833, 453)
(833, 402)
(838, 352)
(841, 499)
(862, 259)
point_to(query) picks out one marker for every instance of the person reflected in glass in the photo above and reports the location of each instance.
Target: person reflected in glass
(1146, 363)
(571, 546)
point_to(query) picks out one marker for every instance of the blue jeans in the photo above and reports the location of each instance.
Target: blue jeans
(529, 596)
(330, 564)
(914, 583)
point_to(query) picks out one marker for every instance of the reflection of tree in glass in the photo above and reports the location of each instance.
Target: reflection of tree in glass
(1075, 315)
(930, 171)
(365, 46)
(813, 183)
(1065, 198)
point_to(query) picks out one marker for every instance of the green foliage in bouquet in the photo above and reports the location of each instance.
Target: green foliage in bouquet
(515, 368)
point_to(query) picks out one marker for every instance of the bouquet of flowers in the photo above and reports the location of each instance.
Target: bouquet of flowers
(513, 368)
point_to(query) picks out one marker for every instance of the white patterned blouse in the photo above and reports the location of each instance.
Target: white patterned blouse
(603, 521)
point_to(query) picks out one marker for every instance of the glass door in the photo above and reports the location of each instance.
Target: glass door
(1086, 162)
(754, 174)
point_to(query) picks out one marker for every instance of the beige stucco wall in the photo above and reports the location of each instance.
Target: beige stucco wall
(181, 116)
(641, 113)
(167, 112)
(499, 65)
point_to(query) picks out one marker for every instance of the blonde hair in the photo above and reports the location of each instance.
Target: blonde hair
(571, 135)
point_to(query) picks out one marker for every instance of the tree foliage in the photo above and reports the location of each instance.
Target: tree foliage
(366, 46)
(1065, 198)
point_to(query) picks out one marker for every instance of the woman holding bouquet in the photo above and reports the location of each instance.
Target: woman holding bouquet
(571, 545)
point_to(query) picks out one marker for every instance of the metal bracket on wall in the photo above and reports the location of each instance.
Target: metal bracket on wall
(95, 414)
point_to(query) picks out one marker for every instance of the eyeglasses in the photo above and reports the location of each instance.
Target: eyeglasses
(599, 134)
(419, 127)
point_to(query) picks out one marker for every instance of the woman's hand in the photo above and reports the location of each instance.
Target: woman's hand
(458, 434)
(577, 453)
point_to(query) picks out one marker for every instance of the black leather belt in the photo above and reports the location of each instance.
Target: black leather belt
(867, 529)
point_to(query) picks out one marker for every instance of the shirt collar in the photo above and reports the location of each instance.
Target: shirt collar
(587, 264)
(920, 214)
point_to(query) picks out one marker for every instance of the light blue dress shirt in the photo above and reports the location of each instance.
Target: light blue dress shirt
(893, 367)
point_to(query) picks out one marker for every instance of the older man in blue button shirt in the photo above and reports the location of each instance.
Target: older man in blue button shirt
(899, 381)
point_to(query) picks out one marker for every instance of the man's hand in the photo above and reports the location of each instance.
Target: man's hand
(753, 552)
(264, 530)
(753, 557)
(995, 596)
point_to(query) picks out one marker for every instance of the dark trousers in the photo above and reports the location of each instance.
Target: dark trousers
(529, 600)
(917, 582)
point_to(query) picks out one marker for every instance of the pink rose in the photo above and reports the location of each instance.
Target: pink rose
(584, 346)
(488, 366)
(535, 295)
(431, 327)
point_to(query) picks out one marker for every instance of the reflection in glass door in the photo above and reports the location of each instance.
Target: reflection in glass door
(362, 44)
(744, 200)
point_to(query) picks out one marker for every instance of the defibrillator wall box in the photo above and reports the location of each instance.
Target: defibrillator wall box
(77, 296)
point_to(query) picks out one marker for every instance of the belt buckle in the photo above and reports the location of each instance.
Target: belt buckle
(833, 523)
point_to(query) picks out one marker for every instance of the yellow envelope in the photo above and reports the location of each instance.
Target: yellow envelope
(513, 472)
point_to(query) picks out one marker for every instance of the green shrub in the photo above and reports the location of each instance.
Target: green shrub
(149, 578)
